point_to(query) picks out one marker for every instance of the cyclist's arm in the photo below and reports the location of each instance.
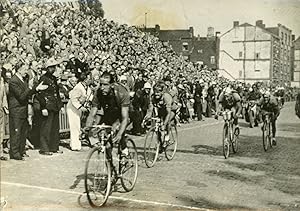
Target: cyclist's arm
(149, 112)
(124, 122)
(91, 117)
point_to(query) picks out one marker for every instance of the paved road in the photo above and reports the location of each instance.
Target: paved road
(198, 178)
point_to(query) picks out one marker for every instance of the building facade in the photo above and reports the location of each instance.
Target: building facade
(196, 49)
(296, 63)
(251, 53)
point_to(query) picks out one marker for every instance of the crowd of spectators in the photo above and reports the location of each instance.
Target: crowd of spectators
(33, 33)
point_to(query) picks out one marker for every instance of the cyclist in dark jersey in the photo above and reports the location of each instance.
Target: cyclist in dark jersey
(161, 105)
(269, 103)
(110, 106)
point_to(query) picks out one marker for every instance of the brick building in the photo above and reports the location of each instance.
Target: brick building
(195, 49)
(252, 53)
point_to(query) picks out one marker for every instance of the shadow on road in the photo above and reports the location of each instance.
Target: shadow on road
(278, 168)
(204, 203)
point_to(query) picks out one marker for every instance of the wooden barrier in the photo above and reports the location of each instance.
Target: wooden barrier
(63, 121)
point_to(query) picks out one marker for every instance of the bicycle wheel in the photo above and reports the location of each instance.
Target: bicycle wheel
(129, 167)
(97, 177)
(171, 145)
(226, 140)
(265, 135)
(270, 135)
(235, 140)
(151, 147)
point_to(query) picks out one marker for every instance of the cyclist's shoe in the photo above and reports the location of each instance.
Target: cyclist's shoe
(125, 152)
(167, 138)
(274, 141)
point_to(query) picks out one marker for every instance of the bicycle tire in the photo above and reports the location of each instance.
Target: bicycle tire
(129, 163)
(153, 135)
(270, 135)
(171, 146)
(265, 136)
(102, 181)
(226, 139)
(235, 141)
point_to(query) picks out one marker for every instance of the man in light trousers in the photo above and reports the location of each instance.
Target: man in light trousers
(80, 96)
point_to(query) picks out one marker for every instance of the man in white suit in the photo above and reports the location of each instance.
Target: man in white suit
(80, 96)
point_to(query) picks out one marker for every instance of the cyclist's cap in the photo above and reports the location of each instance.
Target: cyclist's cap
(228, 91)
(267, 94)
(180, 86)
(147, 85)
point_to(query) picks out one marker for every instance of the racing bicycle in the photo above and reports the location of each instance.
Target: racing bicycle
(104, 165)
(155, 143)
(230, 135)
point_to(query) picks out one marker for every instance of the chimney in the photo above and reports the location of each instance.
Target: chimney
(236, 23)
(260, 24)
(157, 27)
(191, 29)
(210, 32)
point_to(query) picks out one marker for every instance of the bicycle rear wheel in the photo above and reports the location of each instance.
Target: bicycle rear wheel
(97, 177)
(265, 135)
(151, 147)
(129, 167)
(226, 140)
(171, 144)
(235, 140)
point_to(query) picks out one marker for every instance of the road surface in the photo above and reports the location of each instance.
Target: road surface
(199, 178)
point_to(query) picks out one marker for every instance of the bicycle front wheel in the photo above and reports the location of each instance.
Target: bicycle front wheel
(129, 167)
(97, 177)
(226, 140)
(265, 135)
(151, 147)
(235, 140)
(171, 144)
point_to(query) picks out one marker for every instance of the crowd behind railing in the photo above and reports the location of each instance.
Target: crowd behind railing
(31, 34)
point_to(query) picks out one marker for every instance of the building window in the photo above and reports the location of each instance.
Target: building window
(257, 55)
(240, 54)
(200, 51)
(212, 60)
(185, 46)
(257, 70)
(281, 35)
(285, 38)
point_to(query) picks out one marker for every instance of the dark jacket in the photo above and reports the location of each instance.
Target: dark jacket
(49, 99)
(198, 93)
(19, 94)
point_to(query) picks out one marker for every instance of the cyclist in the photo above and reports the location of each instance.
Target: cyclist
(269, 103)
(229, 99)
(161, 103)
(110, 106)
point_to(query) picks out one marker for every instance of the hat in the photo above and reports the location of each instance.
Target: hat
(8, 66)
(123, 78)
(51, 62)
(71, 56)
(147, 85)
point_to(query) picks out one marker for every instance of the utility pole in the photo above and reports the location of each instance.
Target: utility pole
(145, 20)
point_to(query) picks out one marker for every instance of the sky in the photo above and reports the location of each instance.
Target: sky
(201, 14)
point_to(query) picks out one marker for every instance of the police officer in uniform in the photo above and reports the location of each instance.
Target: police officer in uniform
(50, 104)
